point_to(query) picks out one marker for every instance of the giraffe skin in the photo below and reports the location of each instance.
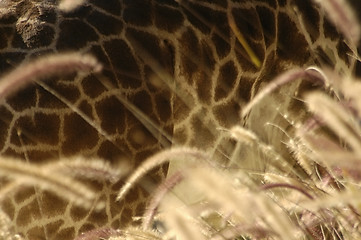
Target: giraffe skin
(177, 62)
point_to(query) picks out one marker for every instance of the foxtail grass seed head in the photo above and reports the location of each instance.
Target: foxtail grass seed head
(63, 186)
(93, 169)
(70, 5)
(98, 233)
(182, 222)
(158, 196)
(134, 233)
(244, 135)
(337, 118)
(283, 204)
(44, 67)
(285, 78)
(343, 17)
(180, 153)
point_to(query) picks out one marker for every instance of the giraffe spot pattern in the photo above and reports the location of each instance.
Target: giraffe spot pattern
(146, 47)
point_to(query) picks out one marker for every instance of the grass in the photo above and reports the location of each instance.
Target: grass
(323, 203)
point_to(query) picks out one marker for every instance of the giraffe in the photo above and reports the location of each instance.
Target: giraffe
(174, 73)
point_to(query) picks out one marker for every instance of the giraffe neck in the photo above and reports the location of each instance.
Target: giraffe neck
(174, 73)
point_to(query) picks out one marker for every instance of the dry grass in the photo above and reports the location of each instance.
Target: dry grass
(324, 204)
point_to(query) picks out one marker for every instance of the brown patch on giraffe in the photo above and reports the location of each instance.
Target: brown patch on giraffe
(247, 21)
(227, 114)
(125, 217)
(88, 226)
(271, 71)
(5, 119)
(112, 114)
(8, 207)
(52, 205)
(344, 52)
(139, 210)
(310, 18)
(42, 156)
(85, 228)
(110, 6)
(80, 32)
(117, 207)
(189, 43)
(79, 135)
(203, 87)
(28, 213)
(36, 231)
(226, 80)
(39, 128)
(92, 87)
(114, 152)
(324, 59)
(204, 132)
(86, 108)
(96, 185)
(167, 18)
(115, 79)
(78, 213)
(222, 45)
(203, 77)
(189, 49)
(9, 59)
(167, 57)
(160, 50)
(243, 59)
(292, 46)
(25, 99)
(25, 193)
(330, 31)
(11, 152)
(163, 106)
(143, 101)
(123, 62)
(244, 90)
(18, 42)
(271, 3)
(53, 227)
(132, 196)
(98, 217)
(180, 135)
(5, 37)
(48, 100)
(180, 109)
(69, 92)
(267, 20)
(67, 233)
(205, 18)
(139, 137)
(100, 54)
(135, 15)
(154, 82)
(105, 24)
(195, 17)
(282, 3)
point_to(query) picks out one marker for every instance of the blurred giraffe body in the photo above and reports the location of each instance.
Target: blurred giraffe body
(174, 73)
